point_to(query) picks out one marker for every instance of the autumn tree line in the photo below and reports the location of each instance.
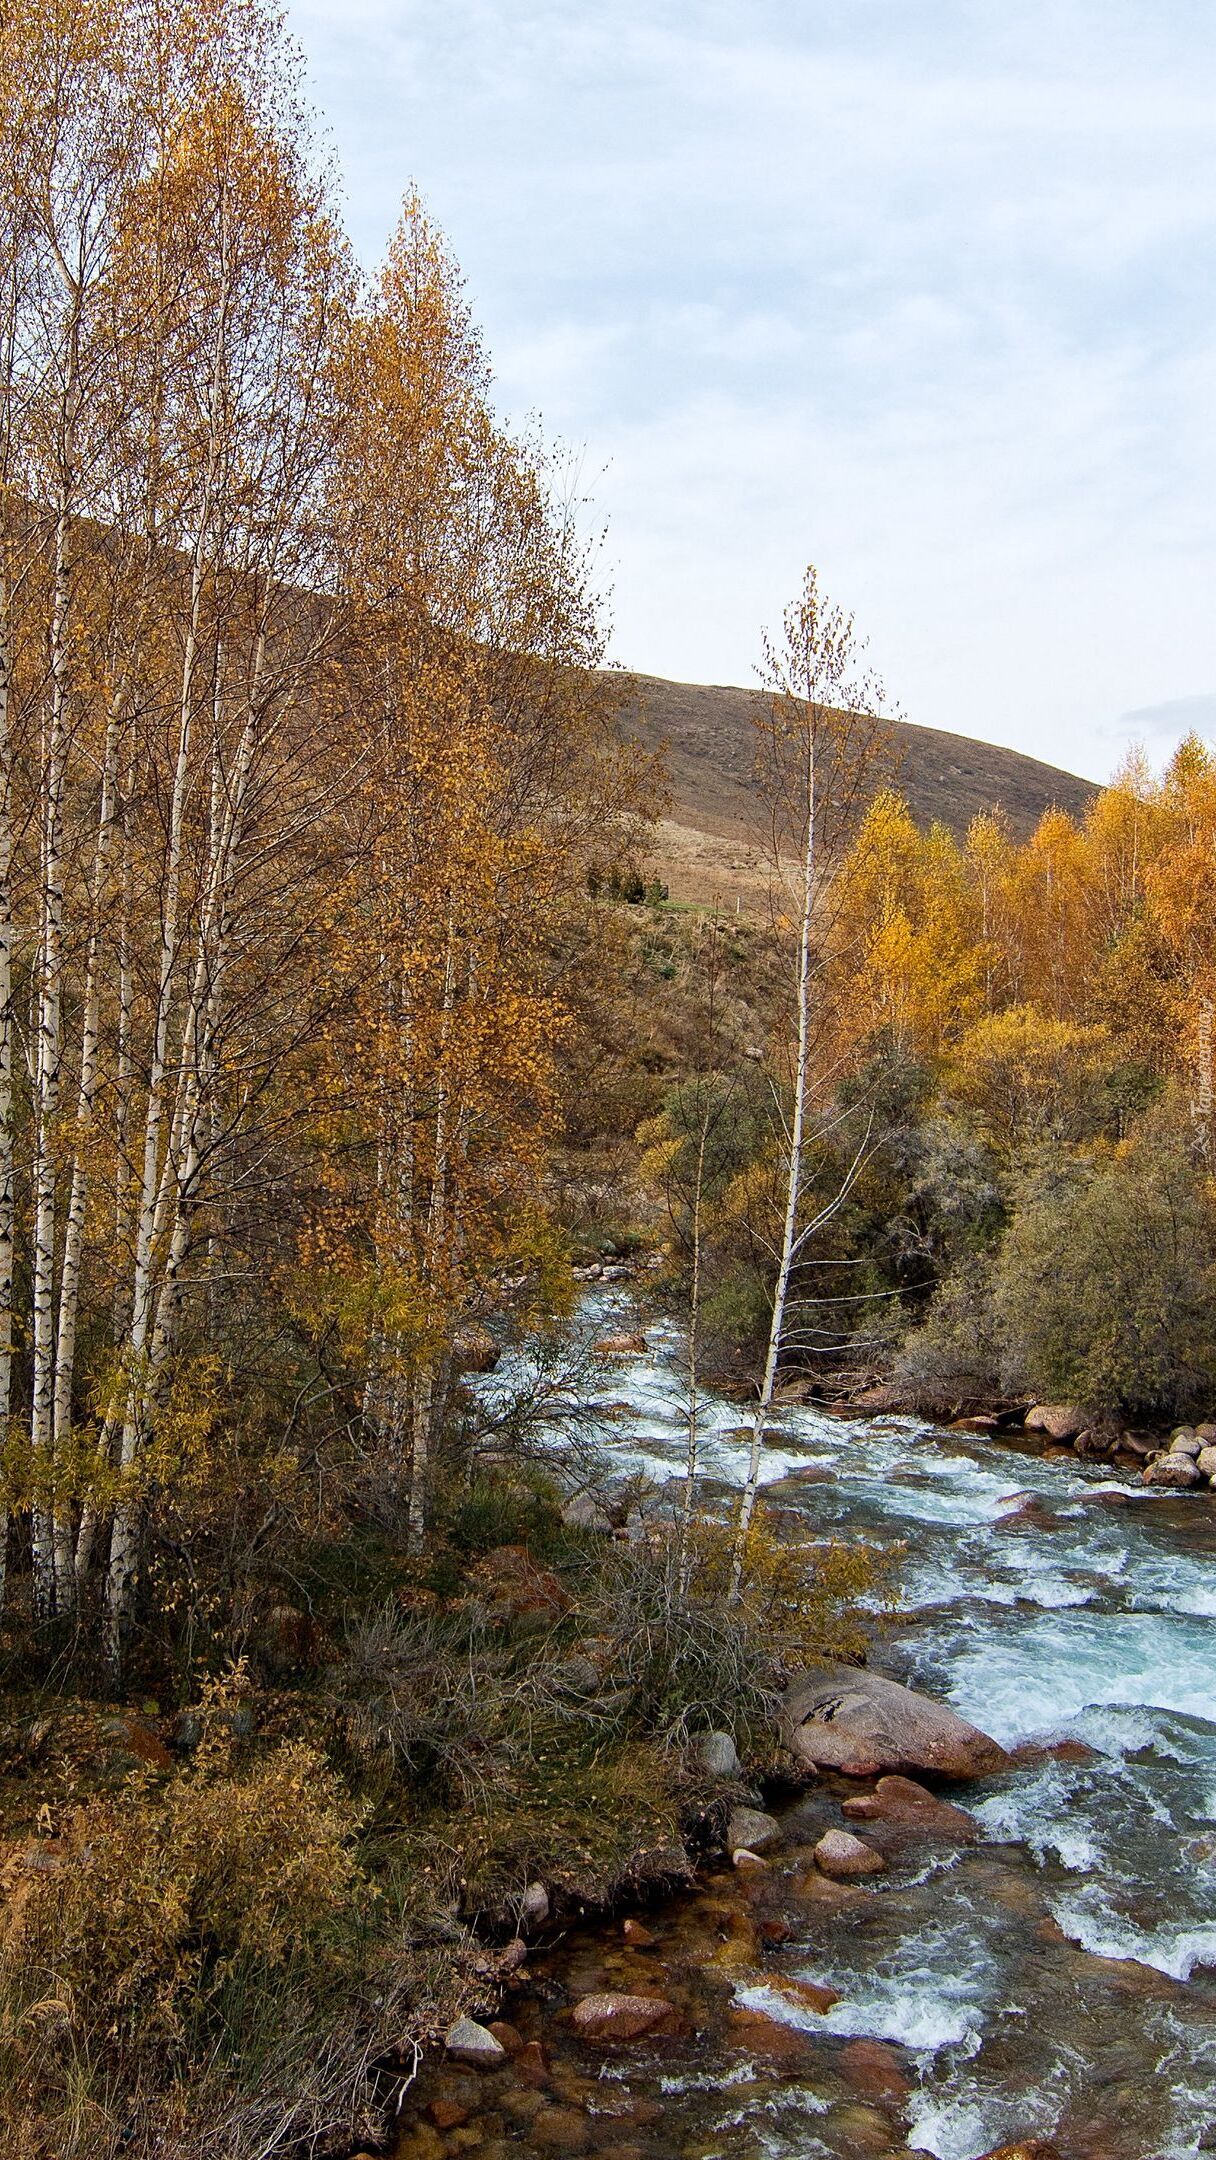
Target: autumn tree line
(1008, 1148)
(298, 742)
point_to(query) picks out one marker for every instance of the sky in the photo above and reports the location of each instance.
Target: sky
(921, 291)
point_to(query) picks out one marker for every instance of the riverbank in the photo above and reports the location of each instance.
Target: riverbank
(1051, 1978)
(1181, 1459)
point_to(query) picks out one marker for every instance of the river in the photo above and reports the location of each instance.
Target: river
(1059, 1976)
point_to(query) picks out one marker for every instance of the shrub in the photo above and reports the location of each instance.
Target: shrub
(1105, 1289)
(168, 1940)
(954, 1358)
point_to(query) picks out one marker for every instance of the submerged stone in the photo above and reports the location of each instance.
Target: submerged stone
(618, 2017)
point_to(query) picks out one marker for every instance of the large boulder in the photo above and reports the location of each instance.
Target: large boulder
(839, 1718)
(1205, 1462)
(1061, 1421)
(1175, 1472)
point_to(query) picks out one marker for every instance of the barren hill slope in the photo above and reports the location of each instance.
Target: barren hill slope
(704, 733)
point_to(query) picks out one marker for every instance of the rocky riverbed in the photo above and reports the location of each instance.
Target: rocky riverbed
(1034, 1958)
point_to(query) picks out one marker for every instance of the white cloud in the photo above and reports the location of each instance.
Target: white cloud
(918, 288)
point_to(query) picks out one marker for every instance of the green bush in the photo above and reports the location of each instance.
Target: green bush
(954, 1358)
(1105, 1288)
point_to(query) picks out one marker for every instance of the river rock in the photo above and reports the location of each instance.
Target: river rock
(1205, 1462)
(1179, 1472)
(618, 2017)
(874, 2070)
(1186, 1442)
(620, 1346)
(1063, 1421)
(1025, 2149)
(838, 1717)
(807, 1994)
(845, 1857)
(751, 1830)
(474, 2044)
(902, 1801)
(718, 1755)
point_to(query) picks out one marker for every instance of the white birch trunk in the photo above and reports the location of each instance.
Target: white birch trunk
(6, 1066)
(48, 1063)
(793, 1183)
(73, 1238)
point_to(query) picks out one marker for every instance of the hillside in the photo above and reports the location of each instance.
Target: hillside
(704, 733)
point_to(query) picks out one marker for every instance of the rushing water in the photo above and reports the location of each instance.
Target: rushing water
(1058, 1977)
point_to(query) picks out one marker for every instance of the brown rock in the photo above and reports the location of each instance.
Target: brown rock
(447, 2114)
(560, 2130)
(139, 1743)
(530, 2064)
(1024, 1511)
(1029, 1753)
(1025, 2149)
(640, 1937)
(808, 1994)
(508, 2036)
(874, 2070)
(901, 1800)
(621, 1346)
(838, 1717)
(843, 1856)
(618, 2017)
(773, 1928)
(1205, 1461)
(787, 2047)
(1063, 1421)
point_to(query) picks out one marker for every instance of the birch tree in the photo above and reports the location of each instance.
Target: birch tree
(819, 739)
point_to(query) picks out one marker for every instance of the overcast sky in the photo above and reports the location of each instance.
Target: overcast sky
(923, 291)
